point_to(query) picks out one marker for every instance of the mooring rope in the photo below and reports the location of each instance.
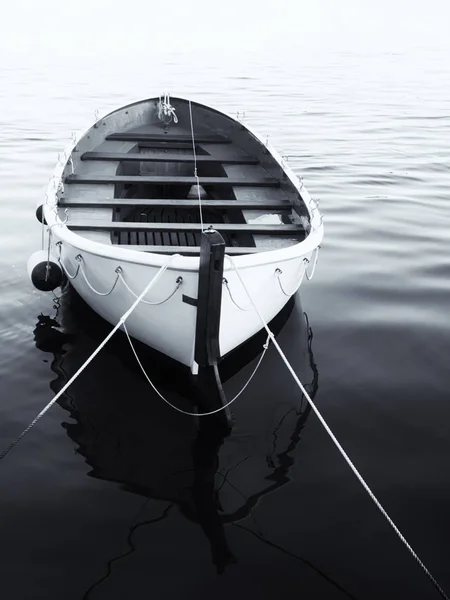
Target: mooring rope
(333, 437)
(197, 414)
(195, 167)
(121, 322)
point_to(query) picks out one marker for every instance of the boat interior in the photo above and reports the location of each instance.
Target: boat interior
(137, 188)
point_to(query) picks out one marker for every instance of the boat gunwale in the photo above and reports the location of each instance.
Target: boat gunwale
(180, 262)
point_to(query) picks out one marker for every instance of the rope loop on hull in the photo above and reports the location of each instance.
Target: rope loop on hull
(119, 275)
(225, 282)
(178, 284)
(278, 273)
(92, 288)
(306, 261)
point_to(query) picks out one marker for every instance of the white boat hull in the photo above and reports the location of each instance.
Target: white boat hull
(271, 276)
(170, 326)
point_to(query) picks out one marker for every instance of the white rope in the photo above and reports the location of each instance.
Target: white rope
(278, 273)
(121, 322)
(225, 282)
(306, 261)
(66, 271)
(119, 275)
(165, 109)
(195, 167)
(47, 268)
(93, 288)
(333, 437)
(178, 283)
(196, 414)
(43, 228)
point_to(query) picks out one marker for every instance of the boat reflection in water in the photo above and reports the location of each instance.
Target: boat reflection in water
(128, 435)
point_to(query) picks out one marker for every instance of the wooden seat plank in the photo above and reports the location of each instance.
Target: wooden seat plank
(277, 205)
(193, 250)
(172, 180)
(152, 137)
(187, 227)
(167, 157)
(163, 145)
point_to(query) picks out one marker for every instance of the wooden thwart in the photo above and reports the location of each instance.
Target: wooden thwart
(186, 227)
(166, 157)
(173, 180)
(277, 205)
(191, 250)
(151, 137)
(163, 145)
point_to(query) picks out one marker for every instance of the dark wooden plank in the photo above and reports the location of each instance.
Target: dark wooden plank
(189, 300)
(197, 234)
(192, 250)
(142, 217)
(209, 298)
(173, 180)
(186, 227)
(169, 146)
(152, 137)
(262, 204)
(164, 234)
(182, 237)
(170, 218)
(190, 237)
(168, 157)
(156, 216)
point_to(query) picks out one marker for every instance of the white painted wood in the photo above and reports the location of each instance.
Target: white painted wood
(170, 327)
(264, 242)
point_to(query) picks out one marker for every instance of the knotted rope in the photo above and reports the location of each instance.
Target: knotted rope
(166, 112)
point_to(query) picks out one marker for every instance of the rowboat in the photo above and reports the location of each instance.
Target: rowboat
(166, 182)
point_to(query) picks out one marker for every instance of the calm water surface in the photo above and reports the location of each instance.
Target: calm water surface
(112, 495)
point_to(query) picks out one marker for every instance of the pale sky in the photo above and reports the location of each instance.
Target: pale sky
(95, 25)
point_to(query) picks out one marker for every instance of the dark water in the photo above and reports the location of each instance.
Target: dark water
(113, 495)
